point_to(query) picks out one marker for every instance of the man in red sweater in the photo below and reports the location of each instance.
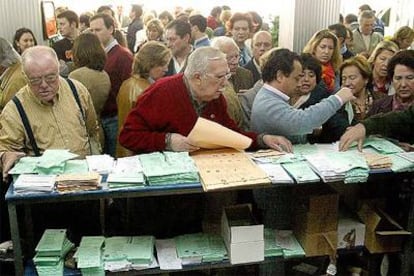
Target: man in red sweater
(168, 110)
(118, 66)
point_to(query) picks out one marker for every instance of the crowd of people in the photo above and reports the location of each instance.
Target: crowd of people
(138, 83)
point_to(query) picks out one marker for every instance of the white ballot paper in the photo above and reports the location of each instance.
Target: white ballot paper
(211, 135)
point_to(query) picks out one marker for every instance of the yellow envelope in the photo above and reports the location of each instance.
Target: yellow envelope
(211, 135)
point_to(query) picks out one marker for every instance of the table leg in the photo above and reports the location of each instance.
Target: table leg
(408, 247)
(15, 235)
(102, 206)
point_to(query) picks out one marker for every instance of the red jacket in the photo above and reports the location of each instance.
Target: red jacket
(166, 107)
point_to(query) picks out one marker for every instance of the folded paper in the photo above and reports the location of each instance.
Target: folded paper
(210, 135)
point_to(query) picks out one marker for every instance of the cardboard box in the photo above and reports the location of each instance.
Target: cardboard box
(351, 233)
(383, 234)
(244, 238)
(246, 252)
(315, 209)
(318, 244)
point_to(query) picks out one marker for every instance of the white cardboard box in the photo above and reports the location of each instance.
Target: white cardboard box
(351, 233)
(243, 237)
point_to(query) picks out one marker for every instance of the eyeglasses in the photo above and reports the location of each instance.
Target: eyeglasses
(227, 76)
(48, 79)
(263, 44)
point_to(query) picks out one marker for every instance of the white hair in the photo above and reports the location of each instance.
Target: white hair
(221, 42)
(36, 53)
(199, 59)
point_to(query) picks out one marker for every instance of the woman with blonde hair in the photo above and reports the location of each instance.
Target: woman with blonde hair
(383, 52)
(150, 64)
(356, 74)
(324, 46)
(403, 37)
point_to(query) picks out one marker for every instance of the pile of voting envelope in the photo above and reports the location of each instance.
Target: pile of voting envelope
(200, 248)
(122, 253)
(89, 256)
(51, 251)
(162, 168)
(282, 243)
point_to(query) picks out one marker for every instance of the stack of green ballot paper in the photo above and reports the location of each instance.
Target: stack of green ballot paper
(124, 253)
(140, 250)
(289, 244)
(53, 161)
(89, 256)
(51, 251)
(200, 247)
(382, 145)
(169, 168)
(270, 245)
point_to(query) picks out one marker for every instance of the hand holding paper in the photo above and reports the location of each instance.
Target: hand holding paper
(181, 143)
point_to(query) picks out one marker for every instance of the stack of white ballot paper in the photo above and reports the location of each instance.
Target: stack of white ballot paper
(101, 164)
(33, 183)
(126, 173)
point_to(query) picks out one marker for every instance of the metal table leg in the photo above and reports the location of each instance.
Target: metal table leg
(408, 247)
(15, 235)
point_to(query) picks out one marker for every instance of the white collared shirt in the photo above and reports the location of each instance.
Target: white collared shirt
(276, 91)
(111, 45)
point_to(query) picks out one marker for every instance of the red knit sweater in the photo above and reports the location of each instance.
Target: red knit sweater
(166, 107)
(118, 66)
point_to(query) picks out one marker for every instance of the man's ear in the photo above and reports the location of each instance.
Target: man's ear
(187, 38)
(279, 76)
(197, 77)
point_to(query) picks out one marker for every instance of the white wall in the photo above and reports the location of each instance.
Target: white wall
(300, 19)
(15, 14)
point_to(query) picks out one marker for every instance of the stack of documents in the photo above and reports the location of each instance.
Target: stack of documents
(125, 253)
(407, 155)
(33, 183)
(126, 173)
(276, 173)
(301, 172)
(169, 168)
(51, 251)
(328, 168)
(25, 165)
(200, 247)
(76, 166)
(271, 247)
(140, 251)
(402, 162)
(228, 168)
(351, 166)
(67, 183)
(101, 164)
(53, 161)
(377, 161)
(89, 256)
(382, 145)
(289, 244)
